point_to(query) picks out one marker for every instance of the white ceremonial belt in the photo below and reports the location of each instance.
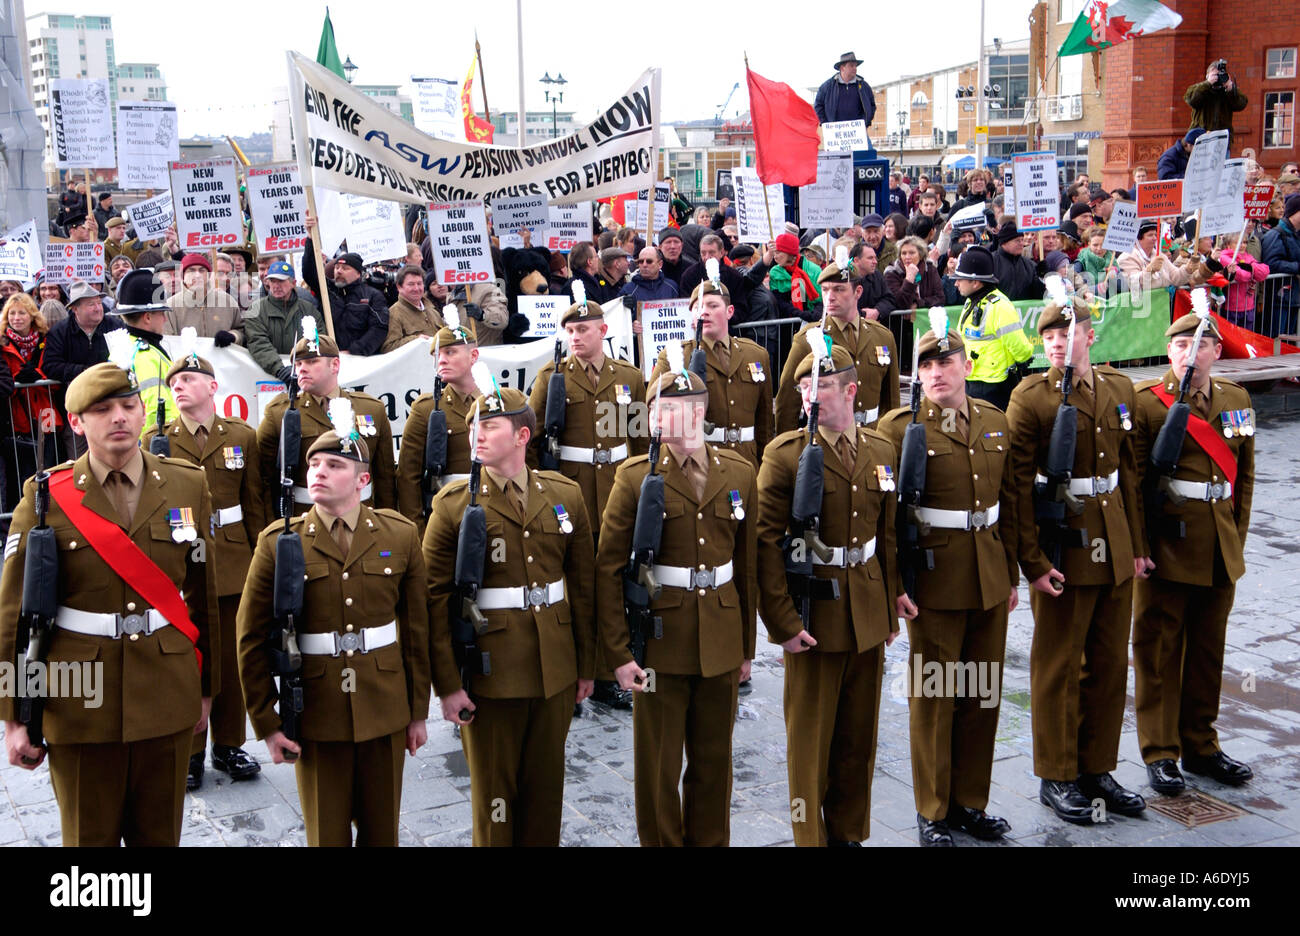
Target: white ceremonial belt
(1088, 487)
(866, 417)
(684, 577)
(593, 456)
(228, 515)
(362, 641)
(302, 496)
(1202, 490)
(958, 519)
(518, 597)
(110, 625)
(844, 557)
(444, 480)
(743, 434)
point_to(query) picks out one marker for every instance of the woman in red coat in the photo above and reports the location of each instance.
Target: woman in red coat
(22, 345)
(914, 282)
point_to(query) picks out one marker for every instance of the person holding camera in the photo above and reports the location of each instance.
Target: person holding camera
(1214, 100)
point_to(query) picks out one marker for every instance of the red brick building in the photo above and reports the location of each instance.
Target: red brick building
(1145, 79)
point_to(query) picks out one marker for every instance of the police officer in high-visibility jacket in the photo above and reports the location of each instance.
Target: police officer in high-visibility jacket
(990, 327)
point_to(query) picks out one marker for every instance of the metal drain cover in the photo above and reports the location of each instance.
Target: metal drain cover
(1195, 808)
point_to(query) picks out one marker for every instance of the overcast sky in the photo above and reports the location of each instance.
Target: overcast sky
(221, 61)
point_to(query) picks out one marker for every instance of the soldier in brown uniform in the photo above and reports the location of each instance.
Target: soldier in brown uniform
(739, 377)
(133, 533)
(834, 666)
(455, 352)
(224, 448)
(364, 641)
(965, 588)
(1079, 657)
(316, 368)
(706, 567)
(1181, 610)
(870, 344)
(537, 597)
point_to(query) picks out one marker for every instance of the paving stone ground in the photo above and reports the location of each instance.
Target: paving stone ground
(1259, 723)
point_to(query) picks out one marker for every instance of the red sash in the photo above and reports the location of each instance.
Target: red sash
(125, 558)
(1210, 441)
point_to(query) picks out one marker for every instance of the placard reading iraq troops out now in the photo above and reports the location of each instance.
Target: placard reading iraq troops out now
(147, 143)
(205, 197)
(81, 123)
(350, 143)
(278, 206)
(661, 322)
(152, 217)
(828, 202)
(461, 249)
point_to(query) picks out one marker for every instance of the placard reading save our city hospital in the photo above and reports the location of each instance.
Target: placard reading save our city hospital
(461, 249)
(205, 197)
(279, 206)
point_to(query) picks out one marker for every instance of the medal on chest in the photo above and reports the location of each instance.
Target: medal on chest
(181, 520)
(737, 508)
(234, 456)
(366, 425)
(1238, 422)
(756, 372)
(885, 476)
(562, 515)
(1125, 419)
(882, 355)
(623, 394)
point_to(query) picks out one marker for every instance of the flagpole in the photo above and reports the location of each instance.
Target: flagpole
(761, 184)
(298, 124)
(482, 78)
(519, 33)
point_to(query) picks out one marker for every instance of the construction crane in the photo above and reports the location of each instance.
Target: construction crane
(723, 106)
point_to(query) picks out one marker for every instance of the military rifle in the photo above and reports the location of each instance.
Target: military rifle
(40, 603)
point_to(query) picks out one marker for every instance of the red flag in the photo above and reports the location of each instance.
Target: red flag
(477, 130)
(785, 132)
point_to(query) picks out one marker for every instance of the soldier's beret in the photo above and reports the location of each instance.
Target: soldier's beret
(677, 385)
(190, 363)
(101, 382)
(832, 272)
(1187, 326)
(706, 288)
(1053, 315)
(839, 361)
(589, 311)
(323, 346)
(931, 347)
(449, 337)
(505, 402)
(353, 448)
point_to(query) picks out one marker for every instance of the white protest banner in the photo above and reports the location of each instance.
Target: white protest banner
(619, 338)
(751, 210)
(1038, 206)
(351, 143)
(663, 200)
(147, 143)
(152, 217)
(543, 314)
(436, 108)
(828, 202)
(845, 136)
(1227, 213)
(81, 123)
(205, 197)
(20, 255)
(461, 249)
(67, 262)
(661, 322)
(372, 227)
(970, 218)
(567, 225)
(511, 214)
(1204, 166)
(278, 207)
(1122, 229)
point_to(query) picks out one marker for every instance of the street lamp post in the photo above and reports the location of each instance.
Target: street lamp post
(902, 119)
(349, 70)
(554, 98)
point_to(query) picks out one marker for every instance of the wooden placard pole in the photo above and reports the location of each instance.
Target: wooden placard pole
(313, 231)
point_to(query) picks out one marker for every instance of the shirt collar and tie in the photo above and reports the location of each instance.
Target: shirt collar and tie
(695, 465)
(845, 445)
(721, 349)
(515, 488)
(342, 527)
(123, 486)
(200, 430)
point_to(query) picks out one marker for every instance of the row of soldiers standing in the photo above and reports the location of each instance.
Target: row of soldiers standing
(385, 614)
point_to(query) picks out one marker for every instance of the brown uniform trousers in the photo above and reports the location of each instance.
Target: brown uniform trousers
(1181, 611)
(740, 394)
(707, 634)
(1079, 658)
(832, 691)
(118, 770)
(231, 485)
(962, 605)
(356, 705)
(874, 351)
(410, 455)
(515, 744)
(315, 423)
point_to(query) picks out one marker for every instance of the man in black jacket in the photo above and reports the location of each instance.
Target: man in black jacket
(670, 248)
(876, 301)
(712, 247)
(1016, 273)
(845, 96)
(77, 342)
(359, 310)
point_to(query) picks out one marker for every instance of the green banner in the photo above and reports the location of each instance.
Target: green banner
(1128, 326)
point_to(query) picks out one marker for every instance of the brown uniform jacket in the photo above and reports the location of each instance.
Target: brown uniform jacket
(406, 323)
(855, 509)
(208, 312)
(150, 686)
(876, 354)
(973, 569)
(536, 651)
(380, 580)
(410, 454)
(1219, 526)
(315, 423)
(707, 632)
(229, 486)
(1102, 445)
(739, 395)
(594, 419)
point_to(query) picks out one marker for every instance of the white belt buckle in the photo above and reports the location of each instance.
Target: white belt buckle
(601, 458)
(536, 596)
(853, 556)
(860, 418)
(131, 624)
(733, 435)
(1217, 491)
(978, 520)
(703, 578)
(349, 641)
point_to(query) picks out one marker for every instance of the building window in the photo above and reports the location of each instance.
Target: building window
(1067, 11)
(1011, 74)
(1069, 75)
(1280, 63)
(1279, 119)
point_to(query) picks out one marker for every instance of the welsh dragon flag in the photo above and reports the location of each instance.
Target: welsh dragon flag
(1103, 24)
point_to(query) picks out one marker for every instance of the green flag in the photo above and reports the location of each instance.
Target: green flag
(327, 53)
